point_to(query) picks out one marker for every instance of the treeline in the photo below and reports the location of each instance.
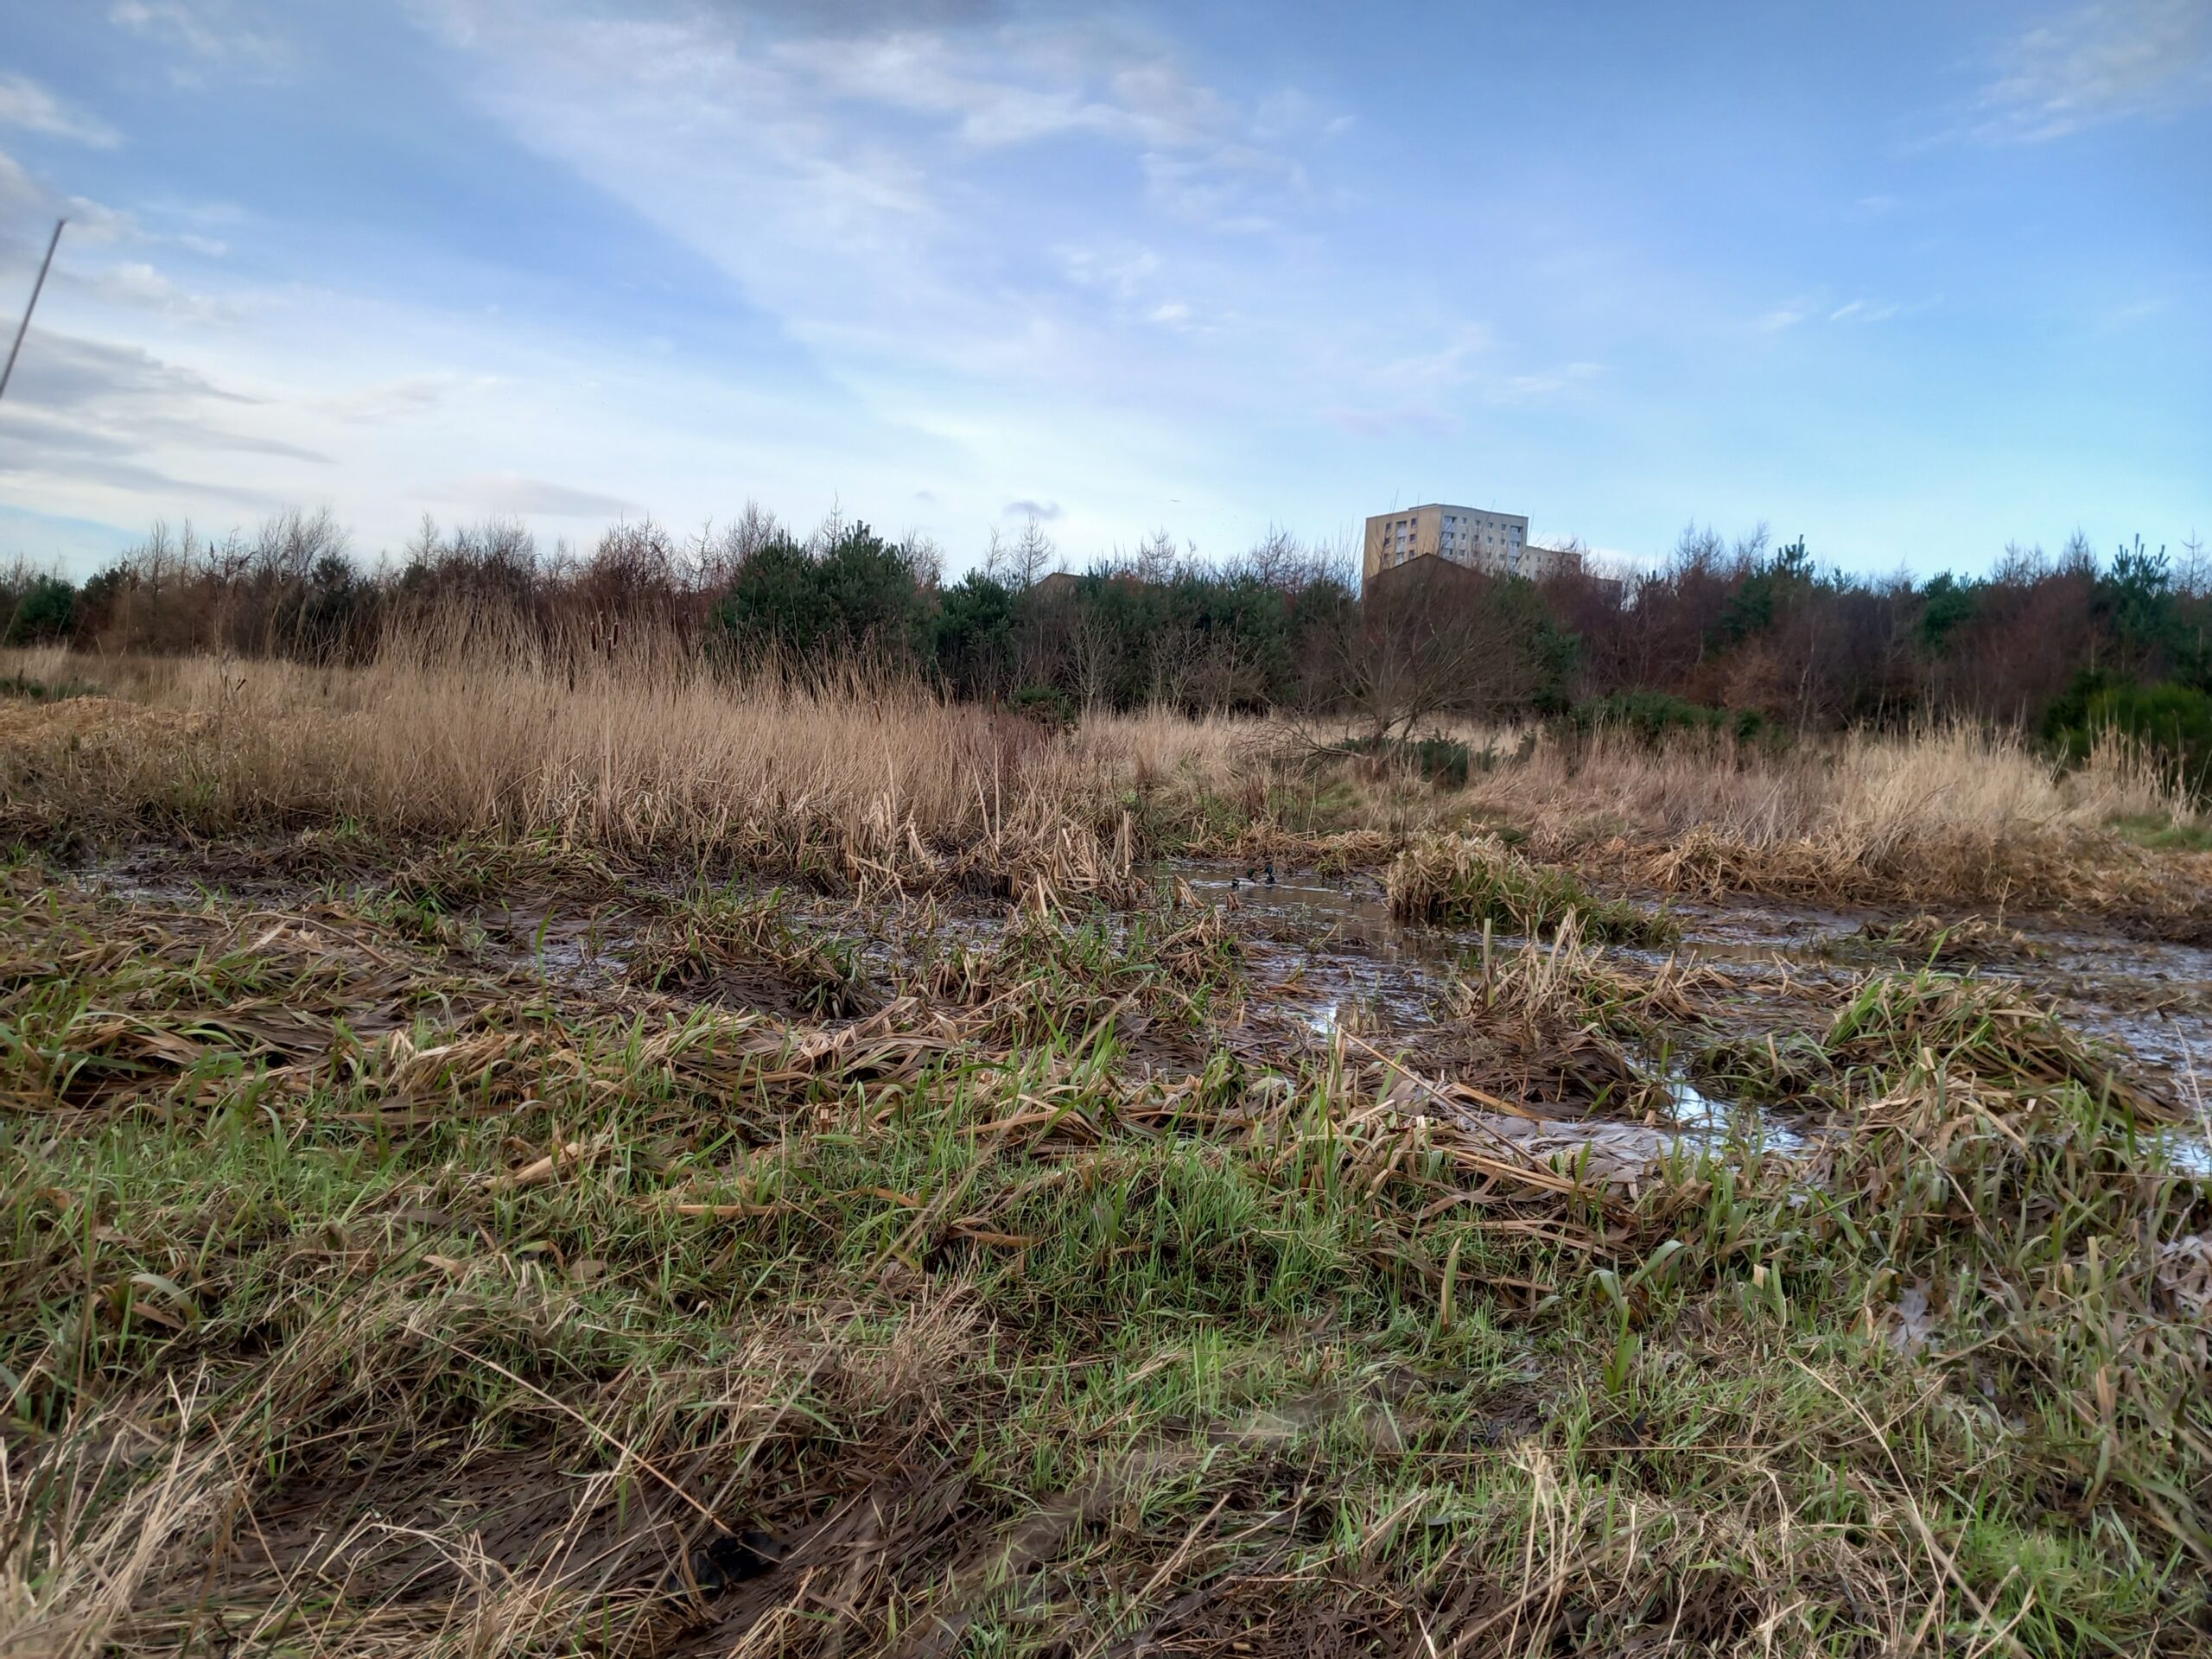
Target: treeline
(1743, 626)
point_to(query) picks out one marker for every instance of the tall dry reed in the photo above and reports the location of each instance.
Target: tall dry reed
(646, 750)
(869, 779)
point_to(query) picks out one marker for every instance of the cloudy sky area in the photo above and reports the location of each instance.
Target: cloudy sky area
(1911, 279)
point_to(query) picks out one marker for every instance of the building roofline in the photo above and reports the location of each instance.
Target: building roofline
(1457, 507)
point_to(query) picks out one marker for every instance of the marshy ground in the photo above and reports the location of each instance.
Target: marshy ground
(538, 1242)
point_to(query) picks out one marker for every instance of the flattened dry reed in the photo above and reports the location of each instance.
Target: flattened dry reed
(529, 1323)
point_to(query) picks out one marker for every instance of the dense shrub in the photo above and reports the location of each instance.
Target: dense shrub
(1657, 718)
(1444, 761)
(1722, 640)
(41, 609)
(2172, 721)
(1046, 706)
(859, 593)
(975, 636)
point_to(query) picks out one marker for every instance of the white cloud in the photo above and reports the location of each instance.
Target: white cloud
(403, 397)
(1545, 383)
(1823, 306)
(1241, 188)
(1404, 420)
(974, 235)
(87, 413)
(25, 103)
(135, 283)
(204, 34)
(2100, 62)
(1869, 311)
(19, 192)
(2134, 311)
(1124, 272)
(1446, 364)
(514, 494)
(832, 178)
(989, 92)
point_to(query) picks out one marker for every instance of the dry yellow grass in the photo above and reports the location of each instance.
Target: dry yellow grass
(875, 782)
(1870, 795)
(1950, 813)
(865, 781)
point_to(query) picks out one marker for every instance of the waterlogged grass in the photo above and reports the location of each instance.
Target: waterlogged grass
(1050, 975)
(734, 941)
(360, 1300)
(2161, 832)
(1470, 879)
(1931, 941)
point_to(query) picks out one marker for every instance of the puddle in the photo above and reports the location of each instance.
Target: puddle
(1706, 1121)
(1336, 958)
(1327, 963)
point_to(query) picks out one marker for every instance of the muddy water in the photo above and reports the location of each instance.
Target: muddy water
(1326, 952)
(1335, 956)
(1327, 961)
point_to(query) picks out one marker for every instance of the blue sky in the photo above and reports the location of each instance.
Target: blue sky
(1911, 280)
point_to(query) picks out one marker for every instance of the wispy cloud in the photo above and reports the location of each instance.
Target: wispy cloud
(1024, 242)
(1045, 511)
(865, 230)
(1016, 87)
(1545, 383)
(1111, 258)
(67, 371)
(1818, 307)
(136, 283)
(516, 493)
(2100, 62)
(89, 412)
(204, 36)
(400, 398)
(1448, 362)
(1404, 420)
(25, 104)
(2129, 313)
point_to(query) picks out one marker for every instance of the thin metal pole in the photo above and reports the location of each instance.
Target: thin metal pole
(24, 328)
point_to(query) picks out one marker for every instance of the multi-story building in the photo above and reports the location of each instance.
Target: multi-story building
(1496, 542)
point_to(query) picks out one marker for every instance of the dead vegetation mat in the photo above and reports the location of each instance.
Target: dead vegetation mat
(366, 1298)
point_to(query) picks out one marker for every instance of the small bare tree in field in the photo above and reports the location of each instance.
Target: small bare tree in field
(1172, 659)
(1158, 558)
(1425, 649)
(1022, 561)
(1093, 653)
(2192, 571)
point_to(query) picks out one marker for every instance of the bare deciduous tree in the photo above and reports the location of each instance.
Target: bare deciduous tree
(1158, 558)
(1022, 561)
(1426, 648)
(1093, 653)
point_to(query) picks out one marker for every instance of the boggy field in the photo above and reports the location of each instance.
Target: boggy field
(502, 1159)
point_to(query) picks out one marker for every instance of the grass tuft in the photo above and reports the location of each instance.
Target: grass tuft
(1470, 879)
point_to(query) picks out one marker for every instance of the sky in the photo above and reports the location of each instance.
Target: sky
(1910, 280)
